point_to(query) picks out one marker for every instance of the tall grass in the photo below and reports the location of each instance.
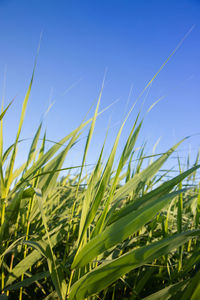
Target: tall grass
(119, 232)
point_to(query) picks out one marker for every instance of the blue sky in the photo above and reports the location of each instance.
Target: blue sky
(131, 39)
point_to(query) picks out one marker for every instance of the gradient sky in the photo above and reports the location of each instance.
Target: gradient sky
(131, 39)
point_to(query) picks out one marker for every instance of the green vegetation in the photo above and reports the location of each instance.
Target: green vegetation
(120, 232)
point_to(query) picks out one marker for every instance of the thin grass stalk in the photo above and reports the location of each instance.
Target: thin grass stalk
(197, 216)
(179, 219)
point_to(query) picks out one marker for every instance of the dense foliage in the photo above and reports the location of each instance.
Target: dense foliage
(124, 231)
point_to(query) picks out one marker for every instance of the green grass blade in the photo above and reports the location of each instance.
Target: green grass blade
(48, 182)
(89, 137)
(28, 281)
(120, 230)
(54, 267)
(164, 188)
(43, 159)
(88, 197)
(1, 147)
(102, 276)
(23, 265)
(105, 179)
(5, 110)
(9, 172)
(33, 147)
(145, 175)
(11, 213)
(124, 157)
(192, 291)
(168, 292)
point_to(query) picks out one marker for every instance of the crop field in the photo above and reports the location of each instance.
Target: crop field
(125, 230)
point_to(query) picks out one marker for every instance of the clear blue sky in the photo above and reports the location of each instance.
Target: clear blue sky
(80, 39)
